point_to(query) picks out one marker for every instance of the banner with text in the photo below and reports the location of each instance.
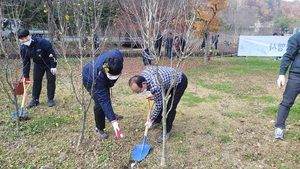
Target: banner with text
(262, 45)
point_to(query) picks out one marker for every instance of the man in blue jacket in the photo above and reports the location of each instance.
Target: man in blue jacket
(99, 75)
(290, 61)
(41, 52)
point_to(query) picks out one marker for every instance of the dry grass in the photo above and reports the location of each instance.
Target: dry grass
(225, 120)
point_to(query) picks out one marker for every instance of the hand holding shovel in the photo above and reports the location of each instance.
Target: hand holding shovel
(140, 151)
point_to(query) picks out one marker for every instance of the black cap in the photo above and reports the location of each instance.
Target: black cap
(23, 33)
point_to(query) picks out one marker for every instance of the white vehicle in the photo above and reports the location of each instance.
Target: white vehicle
(11, 26)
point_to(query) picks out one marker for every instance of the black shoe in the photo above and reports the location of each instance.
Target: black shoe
(51, 103)
(119, 117)
(160, 138)
(101, 134)
(34, 102)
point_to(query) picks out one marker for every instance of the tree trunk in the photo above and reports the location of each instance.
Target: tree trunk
(206, 50)
(51, 23)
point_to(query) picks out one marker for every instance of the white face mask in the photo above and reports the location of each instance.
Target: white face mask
(28, 42)
(112, 77)
(143, 92)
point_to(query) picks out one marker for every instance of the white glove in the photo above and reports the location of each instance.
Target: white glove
(280, 81)
(118, 132)
(53, 71)
(150, 97)
(149, 123)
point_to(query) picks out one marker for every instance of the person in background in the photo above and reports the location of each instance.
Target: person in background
(177, 45)
(290, 61)
(158, 43)
(96, 41)
(147, 81)
(99, 75)
(205, 38)
(182, 43)
(215, 40)
(146, 55)
(169, 45)
(44, 58)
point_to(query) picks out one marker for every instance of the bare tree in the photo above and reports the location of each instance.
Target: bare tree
(147, 18)
(11, 63)
(51, 22)
(81, 20)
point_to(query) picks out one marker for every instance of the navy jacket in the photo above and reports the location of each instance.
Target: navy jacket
(292, 56)
(41, 52)
(96, 74)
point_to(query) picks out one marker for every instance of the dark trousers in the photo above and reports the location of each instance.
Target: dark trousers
(292, 90)
(203, 44)
(158, 47)
(169, 51)
(177, 96)
(38, 74)
(216, 45)
(98, 112)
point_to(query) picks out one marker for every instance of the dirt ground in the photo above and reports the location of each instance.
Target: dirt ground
(213, 128)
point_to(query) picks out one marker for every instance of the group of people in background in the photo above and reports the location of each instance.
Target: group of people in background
(214, 40)
(175, 45)
(172, 45)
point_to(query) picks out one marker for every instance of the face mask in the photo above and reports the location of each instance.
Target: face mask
(112, 77)
(143, 92)
(28, 42)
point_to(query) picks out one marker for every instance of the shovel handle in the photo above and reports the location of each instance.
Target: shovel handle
(25, 93)
(148, 116)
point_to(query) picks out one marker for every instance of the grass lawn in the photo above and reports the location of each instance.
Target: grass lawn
(224, 120)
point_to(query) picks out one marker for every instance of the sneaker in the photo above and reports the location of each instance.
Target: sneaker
(278, 134)
(160, 138)
(101, 134)
(154, 125)
(119, 117)
(51, 103)
(34, 102)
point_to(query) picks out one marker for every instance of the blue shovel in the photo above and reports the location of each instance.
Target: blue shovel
(22, 115)
(140, 151)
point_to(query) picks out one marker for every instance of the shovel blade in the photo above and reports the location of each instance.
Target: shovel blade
(22, 114)
(140, 151)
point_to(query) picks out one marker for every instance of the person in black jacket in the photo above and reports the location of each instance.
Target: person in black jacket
(44, 58)
(98, 76)
(290, 61)
(182, 43)
(215, 40)
(169, 45)
(158, 43)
